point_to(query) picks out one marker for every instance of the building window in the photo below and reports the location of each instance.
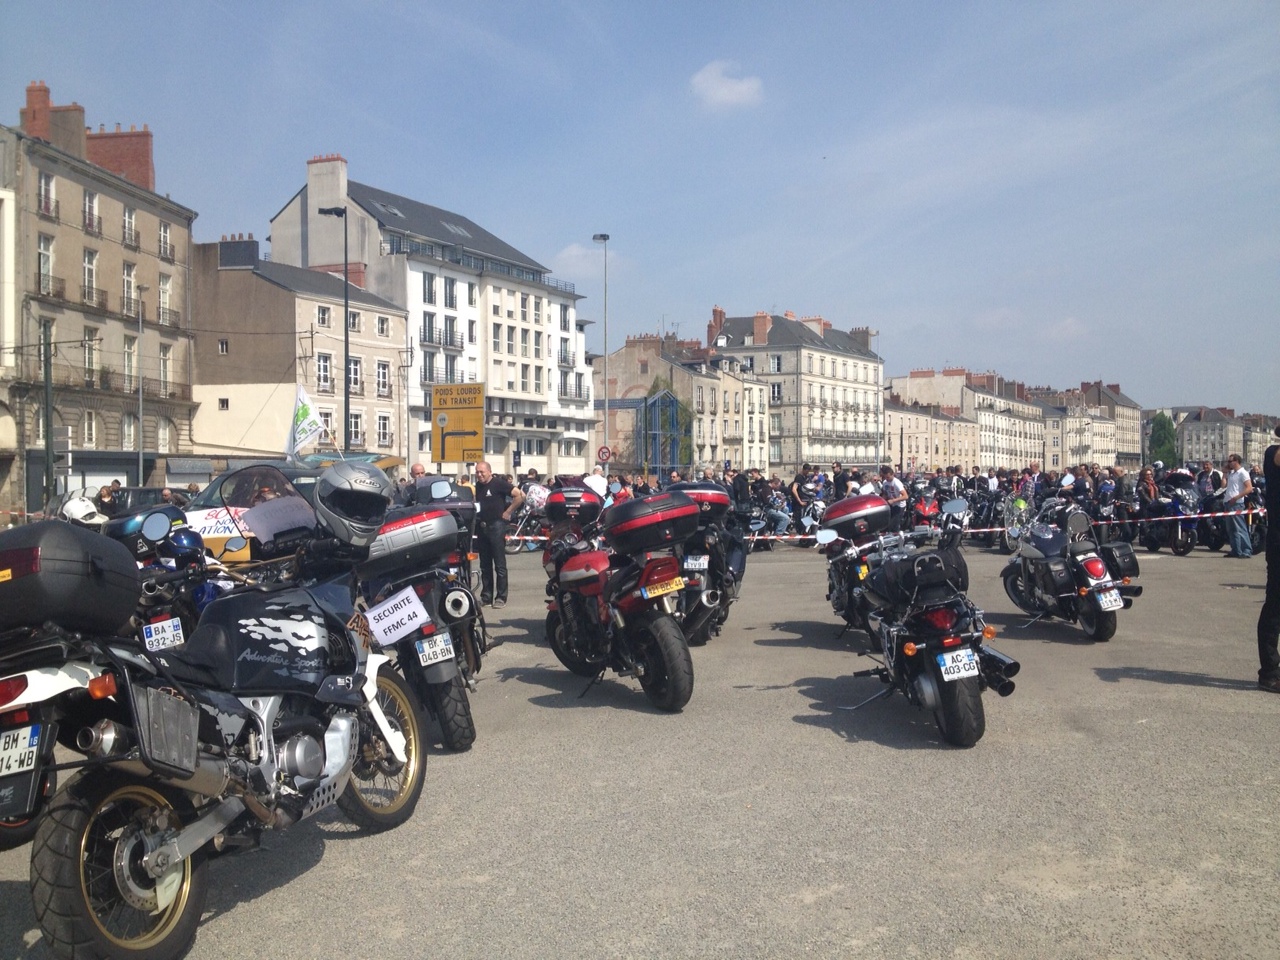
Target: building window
(164, 435)
(822, 366)
(166, 355)
(511, 340)
(524, 343)
(384, 429)
(224, 347)
(44, 264)
(537, 309)
(471, 295)
(90, 345)
(775, 393)
(355, 421)
(471, 331)
(130, 362)
(89, 430)
(129, 431)
(163, 295)
(450, 293)
(384, 326)
(497, 338)
(524, 377)
(564, 317)
(537, 379)
(129, 304)
(324, 372)
(537, 345)
(46, 205)
(353, 321)
(89, 276)
(384, 378)
(129, 228)
(353, 373)
(524, 308)
(326, 425)
(92, 222)
(224, 403)
(164, 246)
(322, 316)
(775, 363)
(428, 288)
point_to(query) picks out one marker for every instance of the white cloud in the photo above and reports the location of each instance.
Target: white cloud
(718, 91)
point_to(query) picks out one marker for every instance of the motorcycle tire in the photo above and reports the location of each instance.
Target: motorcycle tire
(1258, 535)
(666, 668)
(451, 706)
(960, 716)
(1098, 625)
(383, 792)
(1151, 542)
(1016, 589)
(1006, 541)
(76, 885)
(15, 833)
(512, 546)
(581, 666)
(1183, 541)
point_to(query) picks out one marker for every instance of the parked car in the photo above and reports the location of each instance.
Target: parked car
(214, 515)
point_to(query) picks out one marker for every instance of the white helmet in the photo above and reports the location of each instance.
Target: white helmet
(81, 511)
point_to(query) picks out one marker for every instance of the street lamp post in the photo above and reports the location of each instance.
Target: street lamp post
(346, 327)
(604, 239)
(137, 369)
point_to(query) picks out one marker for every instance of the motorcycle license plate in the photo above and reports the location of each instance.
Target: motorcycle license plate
(434, 649)
(19, 750)
(163, 634)
(699, 562)
(863, 571)
(658, 589)
(1110, 600)
(958, 664)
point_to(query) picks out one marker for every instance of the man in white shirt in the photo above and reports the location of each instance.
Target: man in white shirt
(1239, 486)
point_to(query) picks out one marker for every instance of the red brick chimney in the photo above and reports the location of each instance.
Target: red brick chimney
(760, 329)
(716, 324)
(126, 153)
(61, 126)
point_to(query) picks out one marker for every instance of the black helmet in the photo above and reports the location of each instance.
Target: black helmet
(351, 501)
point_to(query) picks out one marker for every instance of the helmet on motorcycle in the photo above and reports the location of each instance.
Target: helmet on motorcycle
(351, 501)
(1159, 465)
(82, 512)
(184, 545)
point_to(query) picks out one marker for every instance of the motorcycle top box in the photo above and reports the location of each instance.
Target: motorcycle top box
(712, 499)
(650, 523)
(855, 517)
(56, 571)
(577, 504)
(411, 538)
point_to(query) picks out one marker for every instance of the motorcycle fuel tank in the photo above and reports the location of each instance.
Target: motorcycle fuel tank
(585, 572)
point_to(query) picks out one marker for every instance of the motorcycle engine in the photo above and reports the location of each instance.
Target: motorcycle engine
(302, 757)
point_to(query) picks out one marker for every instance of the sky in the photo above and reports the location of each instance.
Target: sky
(1059, 192)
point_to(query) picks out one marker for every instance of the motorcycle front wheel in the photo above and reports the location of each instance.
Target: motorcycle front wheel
(562, 648)
(1184, 541)
(511, 545)
(452, 707)
(663, 655)
(1015, 588)
(91, 895)
(960, 717)
(383, 792)
(1098, 625)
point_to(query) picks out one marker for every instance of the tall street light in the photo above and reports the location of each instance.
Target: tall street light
(346, 327)
(137, 369)
(604, 238)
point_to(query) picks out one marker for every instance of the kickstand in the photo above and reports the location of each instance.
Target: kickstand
(1036, 619)
(594, 680)
(886, 692)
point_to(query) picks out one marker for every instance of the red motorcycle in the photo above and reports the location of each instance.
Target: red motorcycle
(614, 610)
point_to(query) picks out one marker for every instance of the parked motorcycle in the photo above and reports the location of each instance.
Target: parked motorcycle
(1212, 531)
(932, 638)
(276, 706)
(714, 561)
(1015, 513)
(617, 611)
(1061, 571)
(1176, 528)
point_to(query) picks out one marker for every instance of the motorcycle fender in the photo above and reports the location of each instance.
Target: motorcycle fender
(45, 683)
(440, 672)
(394, 738)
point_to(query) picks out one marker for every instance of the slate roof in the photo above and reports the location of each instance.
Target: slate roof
(314, 283)
(786, 332)
(1205, 415)
(1116, 397)
(402, 215)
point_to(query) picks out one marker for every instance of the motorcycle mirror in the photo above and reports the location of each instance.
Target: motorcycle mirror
(957, 506)
(441, 490)
(807, 522)
(758, 524)
(826, 536)
(1015, 532)
(615, 487)
(155, 527)
(867, 488)
(233, 545)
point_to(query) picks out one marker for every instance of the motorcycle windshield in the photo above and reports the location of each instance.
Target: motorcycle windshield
(266, 506)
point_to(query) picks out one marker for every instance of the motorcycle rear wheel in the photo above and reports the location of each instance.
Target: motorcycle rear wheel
(582, 666)
(1098, 625)
(383, 792)
(452, 707)
(960, 716)
(513, 546)
(666, 668)
(92, 897)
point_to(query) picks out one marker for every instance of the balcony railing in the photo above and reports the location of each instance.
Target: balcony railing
(165, 249)
(357, 438)
(47, 208)
(110, 381)
(576, 394)
(132, 307)
(92, 224)
(129, 237)
(169, 317)
(94, 297)
(324, 387)
(357, 388)
(430, 376)
(733, 436)
(48, 285)
(384, 390)
(441, 338)
(384, 440)
(566, 358)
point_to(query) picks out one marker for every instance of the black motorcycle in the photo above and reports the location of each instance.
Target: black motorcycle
(714, 561)
(931, 637)
(275, 707)
(1061, 571)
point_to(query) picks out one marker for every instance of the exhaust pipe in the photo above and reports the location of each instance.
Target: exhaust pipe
(106, 738)
(456, 604)
(710, 597)
(1001, 685)
(997, 664)
(212, 775)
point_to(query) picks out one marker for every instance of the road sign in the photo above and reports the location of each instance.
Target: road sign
(457, 422)
(603, 454)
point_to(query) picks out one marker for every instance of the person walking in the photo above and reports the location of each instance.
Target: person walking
(495, 511)
(1238, 487)
(1269, 618)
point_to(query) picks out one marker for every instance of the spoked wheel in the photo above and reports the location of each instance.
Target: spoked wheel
(960, 717)
(1098, 625)
(666, 667)
(383, 791)
(513, 546)
(566, 652)
(92, 895)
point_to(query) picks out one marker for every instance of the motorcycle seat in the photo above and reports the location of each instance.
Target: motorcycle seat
(1082, 546)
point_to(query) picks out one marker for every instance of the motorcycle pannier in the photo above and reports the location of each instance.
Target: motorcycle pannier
(576, 504)
(1121, 560)
(57, 571)
(1055, 577)
(712, 499)
(855, 517)
(650, 523)
(411, 538)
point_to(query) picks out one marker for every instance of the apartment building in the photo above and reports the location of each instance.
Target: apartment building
(929, 437)
(1125, 412)
(479, 311)
(94, 259)
(1075, 434)
(266, 327)
(1207, 433)
(725, 403)
(824, 385)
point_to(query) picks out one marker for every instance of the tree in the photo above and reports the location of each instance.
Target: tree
(1163, 444)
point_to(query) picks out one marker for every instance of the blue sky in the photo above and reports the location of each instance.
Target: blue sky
(1057, 191)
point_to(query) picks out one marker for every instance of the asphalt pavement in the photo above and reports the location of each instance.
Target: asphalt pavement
(1122, 803)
